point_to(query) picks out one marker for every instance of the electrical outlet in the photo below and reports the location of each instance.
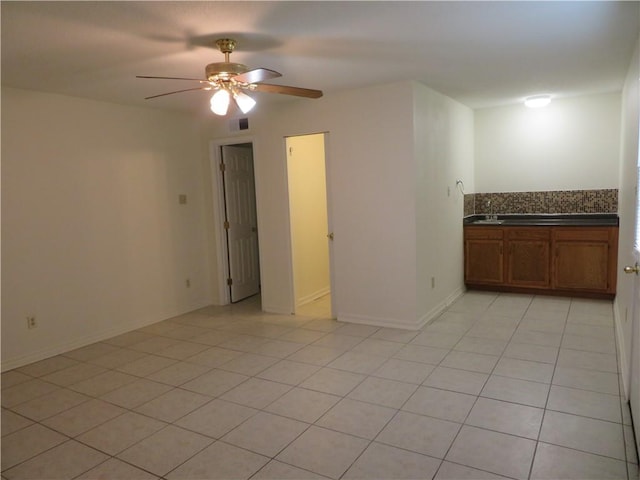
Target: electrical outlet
(31, 322)
(188, 282)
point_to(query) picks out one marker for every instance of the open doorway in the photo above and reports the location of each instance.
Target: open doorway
(310, 250)
(239, 221)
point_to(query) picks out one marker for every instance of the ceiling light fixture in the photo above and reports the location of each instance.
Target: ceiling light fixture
(220, 102)
(537, 101)
(244, 101)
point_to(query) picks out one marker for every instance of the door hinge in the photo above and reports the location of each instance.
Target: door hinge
(226, 225)
(229, 281)
(222, 167)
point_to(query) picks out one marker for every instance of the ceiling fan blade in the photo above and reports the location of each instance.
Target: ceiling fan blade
(257, 75)
(285, 90)
(174, 78)
(177, 91)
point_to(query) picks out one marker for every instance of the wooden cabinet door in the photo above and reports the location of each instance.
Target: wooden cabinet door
(484, 262)
(584, 259)
(528, 257)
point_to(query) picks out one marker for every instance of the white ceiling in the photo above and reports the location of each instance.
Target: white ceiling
(480, 53)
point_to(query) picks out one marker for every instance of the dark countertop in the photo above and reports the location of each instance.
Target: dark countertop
(562, 220)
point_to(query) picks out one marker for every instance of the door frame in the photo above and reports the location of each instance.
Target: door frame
(221, 249)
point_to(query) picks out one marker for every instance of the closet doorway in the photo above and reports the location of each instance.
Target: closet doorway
(309, 225)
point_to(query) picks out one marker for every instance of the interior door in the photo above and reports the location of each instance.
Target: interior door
(634, 391)
(241, 221)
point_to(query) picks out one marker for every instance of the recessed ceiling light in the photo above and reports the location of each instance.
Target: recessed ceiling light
(537, 101)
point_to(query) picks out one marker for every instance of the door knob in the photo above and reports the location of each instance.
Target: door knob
(635, 269)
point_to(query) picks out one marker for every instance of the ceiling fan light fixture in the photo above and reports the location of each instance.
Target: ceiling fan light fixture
(220, 102)
(537, 101)
(245, 102)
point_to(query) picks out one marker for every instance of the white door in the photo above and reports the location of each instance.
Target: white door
(634, 393)
(241, 221)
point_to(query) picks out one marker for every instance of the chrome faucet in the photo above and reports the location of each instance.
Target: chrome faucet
(491, 216)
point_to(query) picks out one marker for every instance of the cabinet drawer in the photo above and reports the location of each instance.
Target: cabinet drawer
(582, 234)
(488, 233)
(528, 233)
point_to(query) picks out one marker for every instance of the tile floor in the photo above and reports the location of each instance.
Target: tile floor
(499, 386)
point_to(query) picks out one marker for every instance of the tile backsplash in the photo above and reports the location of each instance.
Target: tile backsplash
(559, 201)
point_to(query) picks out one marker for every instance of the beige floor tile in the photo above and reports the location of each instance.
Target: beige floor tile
(275, 470)
(67, 460)
(302, 404)
(358, 330)
(278, 348)
(530, 352)
(12, 422)
(585, 403)
(116, 469)
(602, 362)
(315, 355)
(418, 353)
(395, 335)
(220, 461)
(256, 393)
(178, 373)
(103, 383)
(357, 418)
(516, 390)
(91, 351)
(553, 462)
(323, 451)
(452, 471)
(129, 338)
(249, 364)
(83, 417)
(486, 346)
(474, 362)
(302, 335)
(154, 344)
(493, 452)
(26, 391)
(385, 462)
(430, 338)
(165, 450)
(404, 371)
(426, 435)
(136, 393)
(118, 358)
(329, 380)
(376, 346)
(146, 365)
(358, 362)
(586, 434)
(182, 350)
(289, 372)
(388, 393)
(603, 382)
(589, 344)
(442, 404)
(338, 341)
(14, 378)
(50, 404)
(215, 382)
(173, 405)
(265, 433)
(506, 417)
(27, 443)
(524, 370)
(120, 433)
(43, 367)
(216, 418)
(456, 380)
(213, 357)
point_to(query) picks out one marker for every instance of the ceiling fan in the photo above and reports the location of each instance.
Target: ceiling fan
(230, 80)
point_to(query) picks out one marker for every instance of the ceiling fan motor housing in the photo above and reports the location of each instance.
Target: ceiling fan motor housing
(224, 70)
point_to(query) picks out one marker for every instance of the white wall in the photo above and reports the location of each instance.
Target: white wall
(627, 211)
(572, 144)
(372, 160)
(94, 242)
(443, 132)
(308, 214)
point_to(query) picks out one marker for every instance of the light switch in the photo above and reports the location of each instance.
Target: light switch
(182, 199)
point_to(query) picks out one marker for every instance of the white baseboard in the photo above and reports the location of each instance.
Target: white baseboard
(16, 362)
(403, 324)
(624, 368)
(313, 296)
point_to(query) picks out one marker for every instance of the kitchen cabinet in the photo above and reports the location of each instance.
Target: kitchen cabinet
(528, 256)
(571, 260)
(584, 259)
(484, 255)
